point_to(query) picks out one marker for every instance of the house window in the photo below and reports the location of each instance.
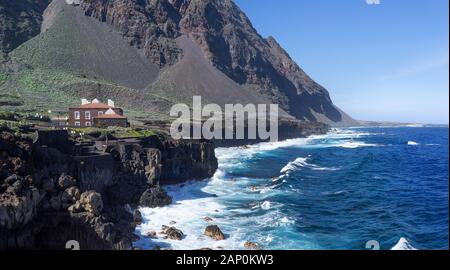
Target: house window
(88, 124)
(77, 124)
(77, 115)
(87, 115)
(100, 113)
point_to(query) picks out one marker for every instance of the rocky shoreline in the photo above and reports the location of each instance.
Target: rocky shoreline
(54, 189)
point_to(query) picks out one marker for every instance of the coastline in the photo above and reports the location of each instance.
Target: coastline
(55, 188)
(248, 205)
(200, 197)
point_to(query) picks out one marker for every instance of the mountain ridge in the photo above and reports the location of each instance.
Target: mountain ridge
(261, 70)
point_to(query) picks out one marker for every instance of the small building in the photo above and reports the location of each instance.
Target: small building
(110, 118)
(97, 114)
(59, 121)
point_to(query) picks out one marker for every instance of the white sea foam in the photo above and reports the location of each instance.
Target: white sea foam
(340, 192)
(195, 201)
(286, 220)
(403, 244)
(266, 205)
(294, 165)
(302, 162)
(355, 144)
(413, 143)
(335, 138)
(239, 211)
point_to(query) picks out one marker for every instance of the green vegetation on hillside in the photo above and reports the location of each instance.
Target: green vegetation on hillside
(40, 90)
(133, 133)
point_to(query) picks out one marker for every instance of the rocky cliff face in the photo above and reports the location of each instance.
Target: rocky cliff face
(48, 196)
(228, 39)
(149, 25)
(20, 20)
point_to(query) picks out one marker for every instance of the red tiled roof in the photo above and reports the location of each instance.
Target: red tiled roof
(110, 116)
(95, 106)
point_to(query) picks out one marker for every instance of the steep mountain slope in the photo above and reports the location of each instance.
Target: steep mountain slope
(19, 21)
(73, 42)
(194, 75)
(166, 51)
(77, 57)
(228, 39)
(227, 36)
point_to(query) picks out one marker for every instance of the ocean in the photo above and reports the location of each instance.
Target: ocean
(336, 192)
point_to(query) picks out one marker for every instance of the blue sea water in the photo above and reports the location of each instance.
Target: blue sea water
(333, 191)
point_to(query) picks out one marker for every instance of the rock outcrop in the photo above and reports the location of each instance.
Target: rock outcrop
(251, 245)
(48, 196)
(91, 202)
(154, 197)
(148, 25)
(214, 232)
(172, 233)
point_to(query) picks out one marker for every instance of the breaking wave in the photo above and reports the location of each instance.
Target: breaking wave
(301, 193)
(303, 163)
(403, 244)
(413, 143)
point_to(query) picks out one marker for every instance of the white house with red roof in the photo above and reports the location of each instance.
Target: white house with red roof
(96, 114)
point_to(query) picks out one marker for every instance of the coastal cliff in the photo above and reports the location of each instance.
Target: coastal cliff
(53, 190)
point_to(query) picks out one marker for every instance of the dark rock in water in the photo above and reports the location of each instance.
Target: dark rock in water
(251, 245)
(155, 197)
(151, 235)
(207, 219)
(214, 232)
(137, 217)
(172, 233)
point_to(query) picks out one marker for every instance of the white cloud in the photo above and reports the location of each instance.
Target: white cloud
(373, 2)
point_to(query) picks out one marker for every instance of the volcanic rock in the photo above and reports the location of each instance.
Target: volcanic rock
(214, 232)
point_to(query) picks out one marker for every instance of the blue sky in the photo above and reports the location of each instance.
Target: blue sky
(387, 61)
